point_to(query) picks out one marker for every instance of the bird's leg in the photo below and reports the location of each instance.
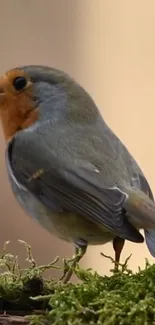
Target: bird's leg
(118, 244)
(79, 253)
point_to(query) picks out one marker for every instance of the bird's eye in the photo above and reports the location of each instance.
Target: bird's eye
(19, 83)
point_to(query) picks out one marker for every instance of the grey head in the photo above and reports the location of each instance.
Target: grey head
(52, 85)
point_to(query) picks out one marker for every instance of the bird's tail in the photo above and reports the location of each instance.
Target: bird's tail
(141, 211)
(150, 240)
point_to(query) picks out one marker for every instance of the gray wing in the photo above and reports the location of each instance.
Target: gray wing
(136, 175)
(69, 187)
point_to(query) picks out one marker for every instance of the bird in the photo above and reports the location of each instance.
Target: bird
(67, 169)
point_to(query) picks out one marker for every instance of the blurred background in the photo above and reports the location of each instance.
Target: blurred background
(108, 46)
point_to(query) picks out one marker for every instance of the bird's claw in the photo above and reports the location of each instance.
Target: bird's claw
(70, 264)
(66, 267)
(116, 264)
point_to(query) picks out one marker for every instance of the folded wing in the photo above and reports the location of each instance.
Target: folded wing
(77, 188)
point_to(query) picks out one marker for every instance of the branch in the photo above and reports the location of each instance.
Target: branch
(12, 320)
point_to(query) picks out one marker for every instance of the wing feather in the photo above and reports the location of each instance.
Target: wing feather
(74, 188)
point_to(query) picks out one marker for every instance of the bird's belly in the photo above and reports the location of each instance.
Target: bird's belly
(67, 226)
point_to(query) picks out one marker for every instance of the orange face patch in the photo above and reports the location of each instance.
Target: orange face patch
(17, 108)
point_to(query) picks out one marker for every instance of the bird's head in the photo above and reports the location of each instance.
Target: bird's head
(30, 93)
(21, 92)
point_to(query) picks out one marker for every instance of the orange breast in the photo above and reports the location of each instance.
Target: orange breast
(16, 114)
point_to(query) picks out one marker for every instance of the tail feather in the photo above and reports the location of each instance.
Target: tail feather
(150, 240)
(141, 209)
(149, 233)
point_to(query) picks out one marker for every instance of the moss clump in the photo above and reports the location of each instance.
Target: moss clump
(18, 285)
(124, 298)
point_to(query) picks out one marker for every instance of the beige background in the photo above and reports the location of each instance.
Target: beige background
(109, 47)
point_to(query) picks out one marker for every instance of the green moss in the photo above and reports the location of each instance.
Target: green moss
(124, 298)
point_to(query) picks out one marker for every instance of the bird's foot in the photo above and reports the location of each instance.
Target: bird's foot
(70, 264)
(118, 244)
(113, 260)
(123, 267)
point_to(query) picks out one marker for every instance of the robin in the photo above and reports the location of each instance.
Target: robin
(67, 169)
